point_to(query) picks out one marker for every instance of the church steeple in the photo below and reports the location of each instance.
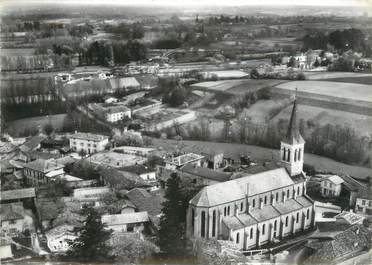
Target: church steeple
(292, 146)
(293, 132)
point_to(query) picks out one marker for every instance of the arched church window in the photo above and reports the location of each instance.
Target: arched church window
(251, 233)
(192, 217)
(275, 224)
(299, 154)
(263, 229)
(284, 154)
(214, 223)
(237, 238)
(228, 210)
(295, 155)
(289, 155)
(286, 221)
(202, 228)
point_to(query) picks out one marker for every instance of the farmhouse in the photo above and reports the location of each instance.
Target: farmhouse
(117, 113)
(88, 142)
(181, 160)
(127, 222)
(203, 176)
(42, 171)
(331, 186)
(257, 209)
(12, 218)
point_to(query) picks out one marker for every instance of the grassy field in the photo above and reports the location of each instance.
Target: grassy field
(341, 90)
(332, 75)
(361, 123)
(262, 110)
(260, 153)
(21, 125)
(236, 87)
(17, 52)
(365, 79)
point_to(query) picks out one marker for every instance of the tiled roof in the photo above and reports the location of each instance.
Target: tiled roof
(126, 218)
(146, 201)
(89, 137)
(137, 169)
(246, 219)
(12, 211)
(121, 179)
(116, 109)
(335, 179)
(267, 212)
(206, 173)
(17, 194)
(43, 165)
(31, 143)
(236, 189)
(304, 201)
(288, 206)
(232, 222)
(351, 240)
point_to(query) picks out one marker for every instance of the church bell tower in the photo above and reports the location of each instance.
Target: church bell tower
(292, 146)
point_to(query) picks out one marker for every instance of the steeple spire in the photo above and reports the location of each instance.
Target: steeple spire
(293, 133)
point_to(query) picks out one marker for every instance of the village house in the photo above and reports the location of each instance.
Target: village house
(331, 185)
(118, 179)
(91, 195)
(33, 143)
(127, 222)
(117, 113)
(17, 195)
(88, 142)
(363, 202)
(144, 172)
(135, 150)
(257, 209)
(334, 242)
(58, 238)
(42, 171)
(202, 176)
(181, 160)
(12, 218)
(213, 159)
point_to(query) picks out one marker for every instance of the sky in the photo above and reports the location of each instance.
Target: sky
(201, 2)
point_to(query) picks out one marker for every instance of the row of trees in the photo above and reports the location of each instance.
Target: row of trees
(341, 40)
(109, 53)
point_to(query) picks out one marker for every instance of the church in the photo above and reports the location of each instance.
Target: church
(258, 209)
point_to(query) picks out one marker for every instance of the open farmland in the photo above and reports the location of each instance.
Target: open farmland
(263, 110)
(356, 98)
(361, 123)
(325, 76)
(17, 52)
(235, 87)
(19, 126)
(260, 153)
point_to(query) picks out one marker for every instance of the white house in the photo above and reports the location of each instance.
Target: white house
(91, 194)
(117, 113)
(12, 218)
(90, 143)
(179, 161)
(142, 171)
(5, 249)
(331, 185)
(128, 222)
(363, 202)
(58, 237)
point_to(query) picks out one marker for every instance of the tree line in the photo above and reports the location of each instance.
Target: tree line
(341, 40)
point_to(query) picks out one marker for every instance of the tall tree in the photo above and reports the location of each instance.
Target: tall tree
(91, 243)
(171, 235)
